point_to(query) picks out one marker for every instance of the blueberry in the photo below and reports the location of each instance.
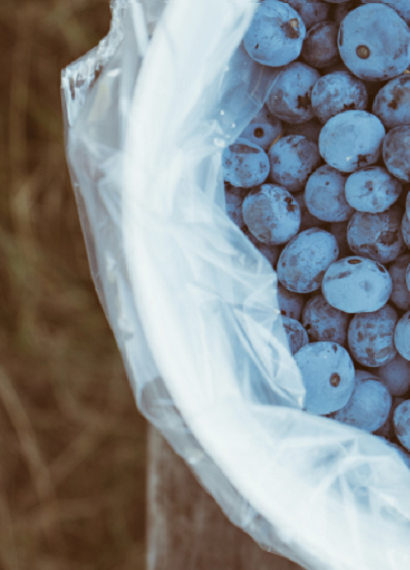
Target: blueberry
(290, 304)
(400, 294)
(402, 7)
(271, 252)
(396, 152)
(323, 322)
(292, 160)
(351, 140)
(263, 116)
(320, 45)
(233, 200)
(325, 195)
(276, 34)
(307, 220)
(245, 164)
(295, 333)
(310, 129)
(372, 189)
(374, 42)
(368, 407)
(402, 336)
(271, 214)
(338, 92)
(328, 374)
(391, 104)
(339, 230)
(395, 375)
(310, 12)
(356, 285)
(377, 236)
(289, 97)
(304, 260)
(387, 429)
(402, 423)
(263, 133)
(371, 337)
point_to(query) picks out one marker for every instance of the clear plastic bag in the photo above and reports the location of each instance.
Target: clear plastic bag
(193, 304)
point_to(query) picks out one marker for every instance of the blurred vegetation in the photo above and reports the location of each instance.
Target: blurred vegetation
(72, 447)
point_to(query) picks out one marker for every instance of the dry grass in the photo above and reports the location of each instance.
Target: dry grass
(72, 447)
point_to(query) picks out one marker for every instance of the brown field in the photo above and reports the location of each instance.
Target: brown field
(72, 453)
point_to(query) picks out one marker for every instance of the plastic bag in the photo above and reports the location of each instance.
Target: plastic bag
(193, 304)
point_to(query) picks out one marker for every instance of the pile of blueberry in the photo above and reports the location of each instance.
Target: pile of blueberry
(317, 181)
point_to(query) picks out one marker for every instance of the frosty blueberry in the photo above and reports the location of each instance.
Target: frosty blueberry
(245, 164)
(295, 333)
(395, 375)
(328, 374)
(290, 96)
(307, 219)
(263, 116)
(368, 407)
(396, 152)
(402, 336)
(320, 45)
(292, 160)
(290, 304)
(263, 132)
(339, 230)
(304, 260)
(233, 200)
(374, 42)
(351, 140)
(402, 7)
(372, 189)
(271, 214)
(400, 294)
(356, 285)
(402, 424)
(336, 93)
(371, 337)
(325, 195)
(323, 322)
(276, 34)
(377, 236)
(310, 129)
(392, 103)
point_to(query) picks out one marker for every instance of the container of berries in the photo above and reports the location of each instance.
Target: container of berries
(242, 172)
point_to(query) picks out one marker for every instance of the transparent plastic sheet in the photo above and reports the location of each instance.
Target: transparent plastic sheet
(192, 303)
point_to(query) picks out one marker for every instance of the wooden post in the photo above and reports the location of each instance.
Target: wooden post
(186, 528)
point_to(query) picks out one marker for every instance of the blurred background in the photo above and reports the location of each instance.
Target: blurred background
(72, 453)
